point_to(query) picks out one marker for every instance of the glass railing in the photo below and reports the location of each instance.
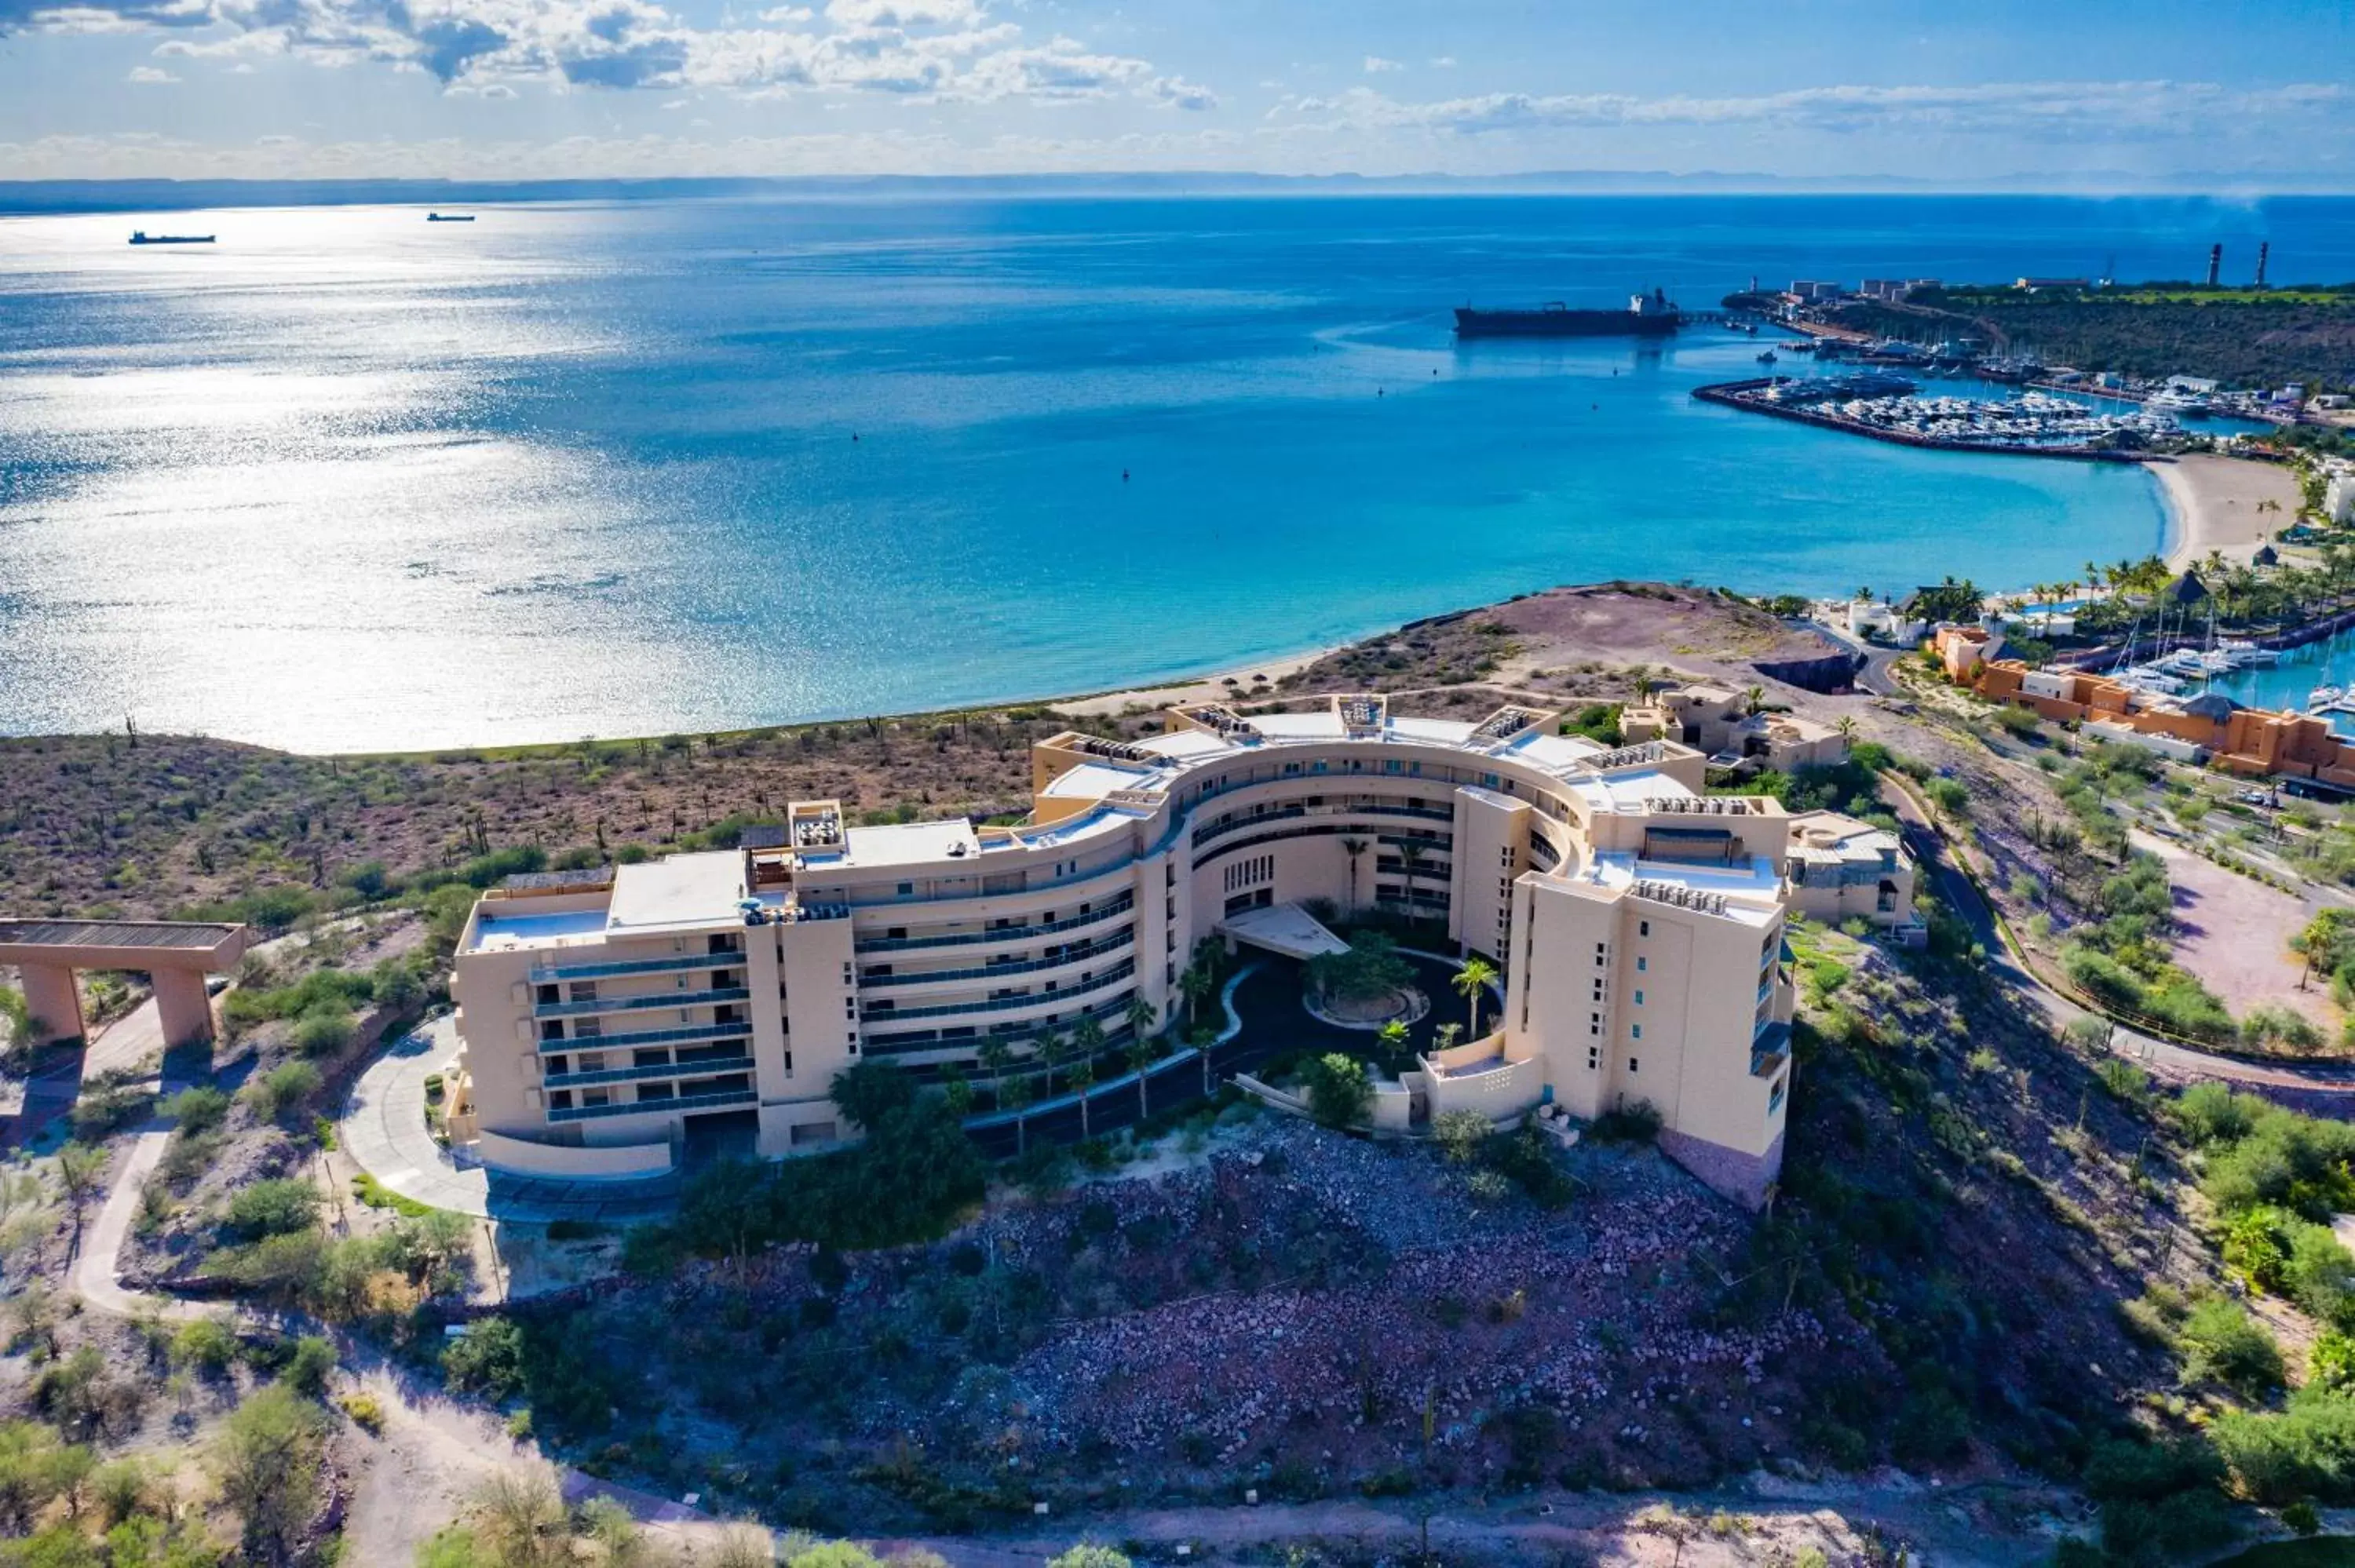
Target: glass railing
(646, 1037)
(656, 1108)
(544, 975)
(1113, 976)
(1121, 904)
(652, 1070)
(651, 1000)
(991, 971)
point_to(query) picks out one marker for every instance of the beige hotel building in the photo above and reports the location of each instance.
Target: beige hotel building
(1638, 923)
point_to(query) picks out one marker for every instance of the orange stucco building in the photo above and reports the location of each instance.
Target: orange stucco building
(2257, 741)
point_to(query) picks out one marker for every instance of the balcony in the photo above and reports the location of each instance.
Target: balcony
(651, 1001)
(545, 975)
(1113, 976)
(652, 1070)
(1215, 831)
(1112, 944)
(657, 1107)
(699, 1033)
(1119, 905)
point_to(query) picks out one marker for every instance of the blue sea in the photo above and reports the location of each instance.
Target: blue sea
(347, 479)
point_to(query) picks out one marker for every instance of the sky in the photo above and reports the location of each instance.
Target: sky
(2219, 94)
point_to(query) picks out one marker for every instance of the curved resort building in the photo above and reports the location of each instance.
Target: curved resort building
(1638, 922)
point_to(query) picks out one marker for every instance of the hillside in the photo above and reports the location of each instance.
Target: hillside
(2238, 336)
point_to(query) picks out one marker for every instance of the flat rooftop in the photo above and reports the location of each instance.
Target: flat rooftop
(494, 932)
(147, 935)
(682, 890)
(1751, 888)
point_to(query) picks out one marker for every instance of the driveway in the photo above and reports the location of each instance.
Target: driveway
(383, 1127)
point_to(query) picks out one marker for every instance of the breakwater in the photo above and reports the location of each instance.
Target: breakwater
(1746, 394)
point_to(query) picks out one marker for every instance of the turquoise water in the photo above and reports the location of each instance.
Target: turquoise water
(346, 479)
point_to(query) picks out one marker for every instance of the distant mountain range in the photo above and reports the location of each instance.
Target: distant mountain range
(28, 196)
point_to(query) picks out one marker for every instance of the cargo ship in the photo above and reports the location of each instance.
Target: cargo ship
(449, 218)
(1646, 316)
(141, 237)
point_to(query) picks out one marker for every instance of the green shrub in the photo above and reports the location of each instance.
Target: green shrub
(2221, 1343)
(2271, 1024)
(1458, 1134)
(1339, 1091)
(284, 1089)
(323, 1031)
(196, 1110)
(307, 1369)
(1637, 1121)
(2332, 1363)
(275, 1207)
(2211, 1113)
(488, 1359)
(2305, 1450)
(204, 1345)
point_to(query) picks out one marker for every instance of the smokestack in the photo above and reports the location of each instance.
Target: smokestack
(2215, 263)
(2264, 247)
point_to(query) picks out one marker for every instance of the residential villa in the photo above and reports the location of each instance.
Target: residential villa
(1638, 923)
(1842, 869)
(1719, 725)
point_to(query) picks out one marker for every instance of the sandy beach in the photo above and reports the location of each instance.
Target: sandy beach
(1209, 689)
(2214, 504)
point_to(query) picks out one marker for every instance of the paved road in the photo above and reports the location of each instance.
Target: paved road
(1929, 849)
(1873, 674)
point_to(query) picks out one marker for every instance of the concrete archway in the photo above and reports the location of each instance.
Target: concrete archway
(174, 955)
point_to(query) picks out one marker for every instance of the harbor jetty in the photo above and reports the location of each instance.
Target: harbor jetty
(1885, 409)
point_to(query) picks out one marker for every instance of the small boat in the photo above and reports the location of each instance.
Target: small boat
(2323, 698)
(1767, 357)
(2244, 651)
(141, 237)
(449, 218)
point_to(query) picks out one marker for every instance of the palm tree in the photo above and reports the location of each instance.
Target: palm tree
(1864, 595)
(1141, 1014)
(1353, 848)
(1411, 855)
(995, 1055)
(1018, 1094)
(1444, 1037)
(1048, 1050)
(1470, 980)
(1847, 730)
(1196, 984)
(1205, 1041)
(1644, 684)
(1140, 1056)
(1393, 1037)
(1082, 1077)
(1088, 1041)
(957, 1090)
(1754, 698)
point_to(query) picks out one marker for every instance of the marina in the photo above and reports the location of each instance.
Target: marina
(1891, 408)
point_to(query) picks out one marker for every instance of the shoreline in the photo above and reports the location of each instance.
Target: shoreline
(1209, 688)
(2212, 504)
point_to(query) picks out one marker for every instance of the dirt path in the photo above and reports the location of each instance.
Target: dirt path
(1764, 1519)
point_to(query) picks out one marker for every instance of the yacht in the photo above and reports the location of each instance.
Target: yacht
(2246, 653)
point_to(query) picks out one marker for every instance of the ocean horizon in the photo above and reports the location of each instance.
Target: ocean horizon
(347, 481)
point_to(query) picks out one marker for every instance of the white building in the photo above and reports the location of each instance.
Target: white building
(1637, 922)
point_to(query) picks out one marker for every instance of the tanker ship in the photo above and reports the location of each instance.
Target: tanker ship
(1646, 316)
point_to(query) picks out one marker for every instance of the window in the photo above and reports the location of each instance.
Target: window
(1635, 1031)
(1774, 1094)
(1642, 963)
(1594, 1058)
(1640, 999)
(906, 888)
(1643, 927)
(1631, 1063)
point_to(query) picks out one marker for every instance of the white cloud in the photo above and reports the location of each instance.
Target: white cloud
(2112, 109)
(1442, 62)
(932, 49)
(1376, 65)
(148, 76)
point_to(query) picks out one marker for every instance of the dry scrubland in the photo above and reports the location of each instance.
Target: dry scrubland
(1994, 1254)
